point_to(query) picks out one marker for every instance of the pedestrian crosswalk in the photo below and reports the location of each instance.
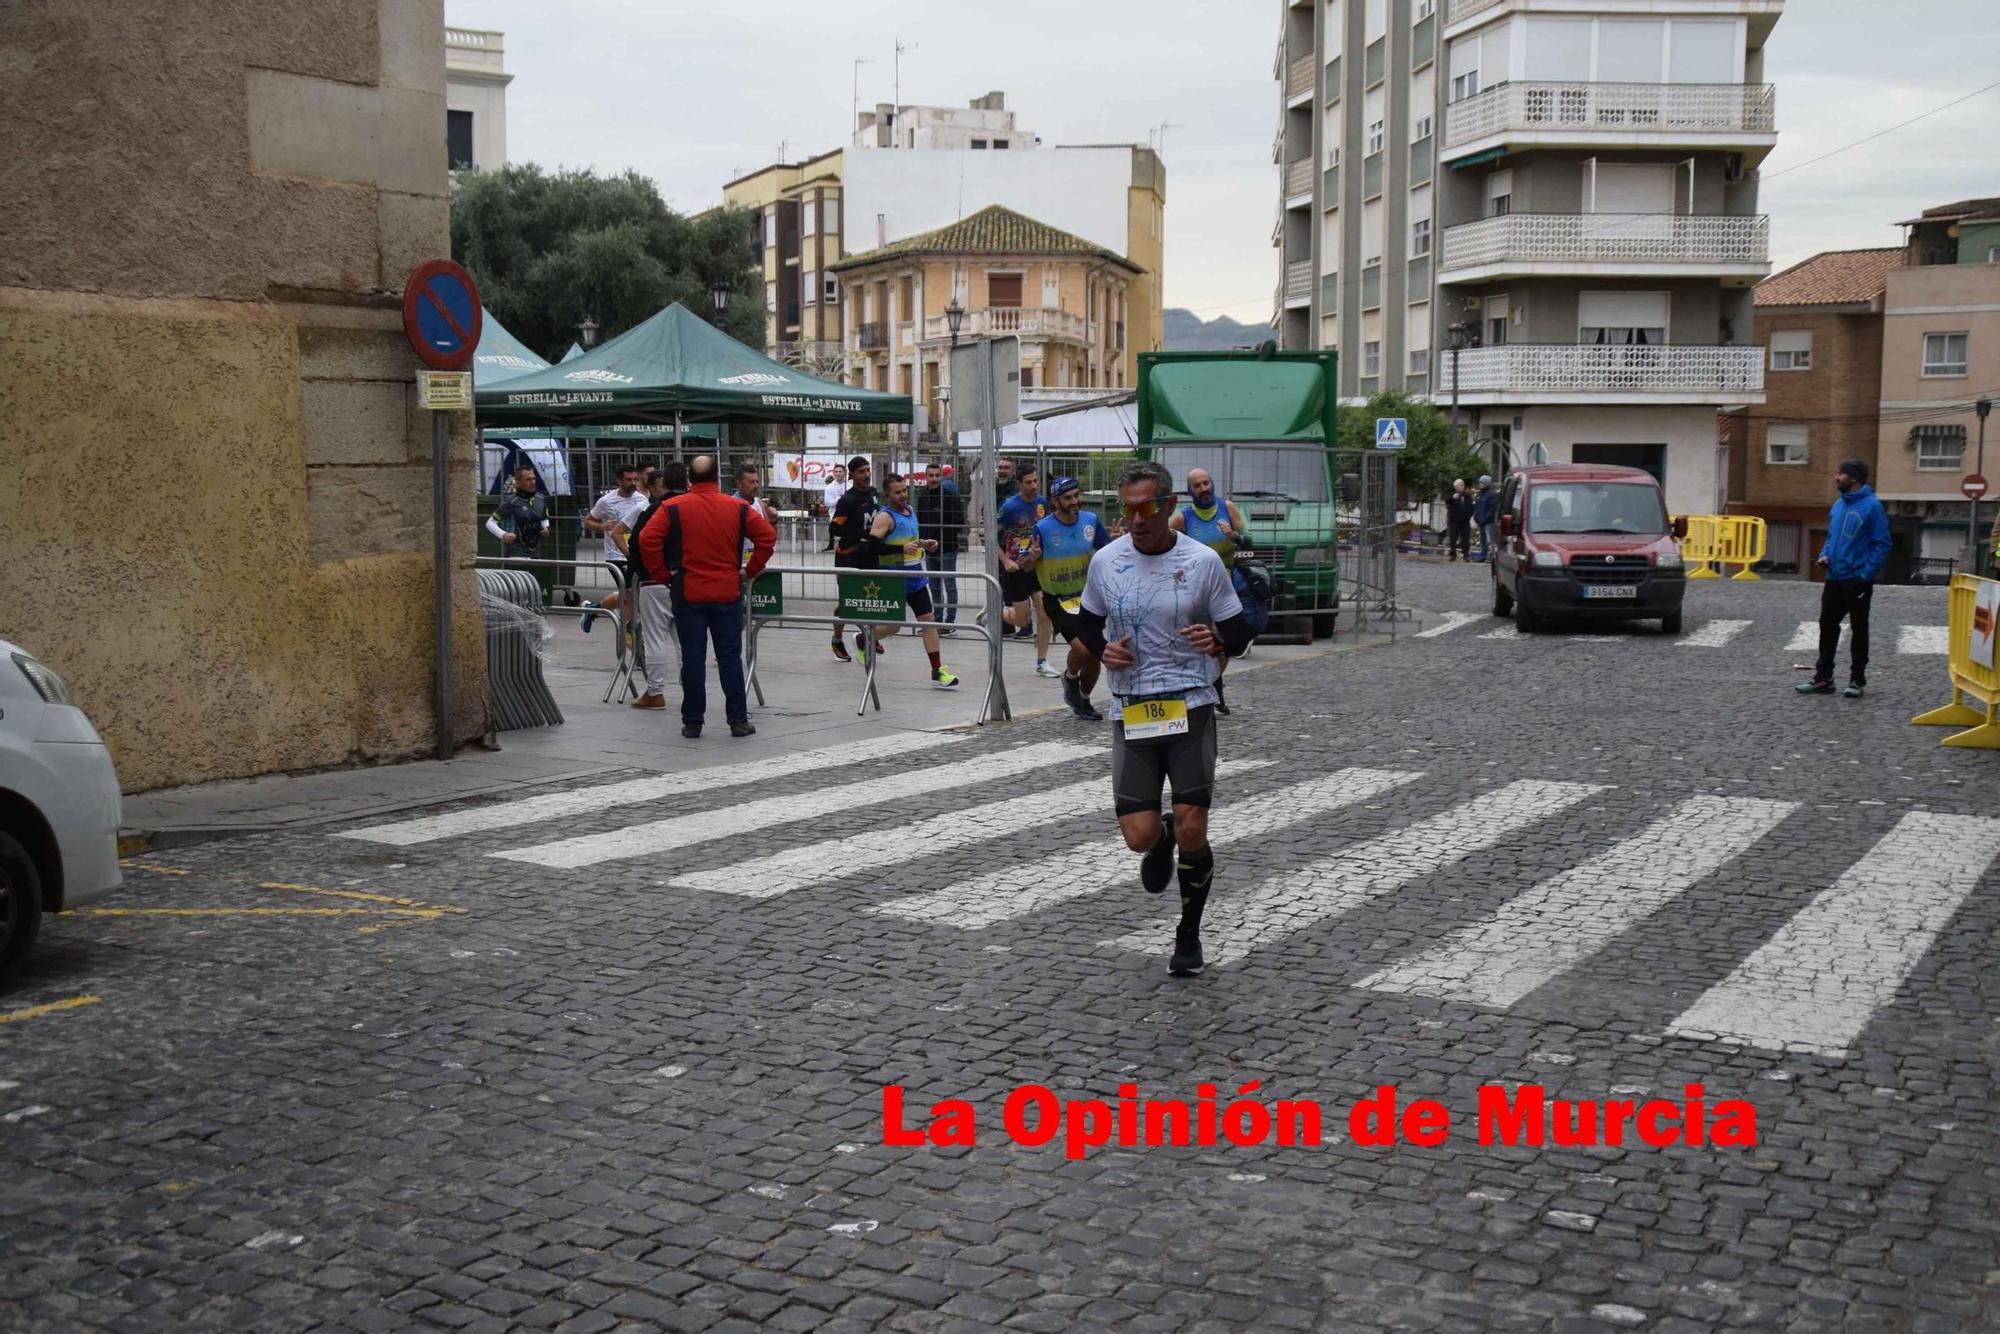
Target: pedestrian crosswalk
(1719, 632)
(1608, 864)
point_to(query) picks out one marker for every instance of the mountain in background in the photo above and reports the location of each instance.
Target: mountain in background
(1180, 330)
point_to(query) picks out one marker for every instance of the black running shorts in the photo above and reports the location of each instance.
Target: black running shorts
(1018, 586)
(920, 597)
(1140, 770)
(1061, 621)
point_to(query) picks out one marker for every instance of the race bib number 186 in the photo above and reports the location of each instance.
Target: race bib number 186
(1155, 718)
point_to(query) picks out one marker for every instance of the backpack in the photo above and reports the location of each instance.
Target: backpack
(1255, 589)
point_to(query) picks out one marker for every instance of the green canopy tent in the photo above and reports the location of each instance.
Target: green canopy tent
(500, 355)
(677, 368)
(575, 351)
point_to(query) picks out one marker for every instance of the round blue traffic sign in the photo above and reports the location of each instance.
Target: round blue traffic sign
(441, 314)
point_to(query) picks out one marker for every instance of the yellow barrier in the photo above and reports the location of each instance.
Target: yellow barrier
(1969, 679)
(1701, 547)
(1722, 539)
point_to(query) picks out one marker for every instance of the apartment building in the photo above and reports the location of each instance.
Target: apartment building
(1543, 209)
(796, 220)
(1940, 359)
(475, 99)
(983, 124)
(1067, 298)
(1819, 324)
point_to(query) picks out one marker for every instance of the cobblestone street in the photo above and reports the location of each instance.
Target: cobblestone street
(613, 1055)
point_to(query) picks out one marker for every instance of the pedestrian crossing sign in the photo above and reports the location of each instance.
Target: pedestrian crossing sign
(1391, 432)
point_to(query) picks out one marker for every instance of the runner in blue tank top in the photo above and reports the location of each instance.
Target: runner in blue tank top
(1217, 524)
(1068, 539)
(896, 544)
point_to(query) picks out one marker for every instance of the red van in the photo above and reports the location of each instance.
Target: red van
(1587, 540)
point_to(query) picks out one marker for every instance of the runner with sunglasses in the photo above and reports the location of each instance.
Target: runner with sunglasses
(1159, 612)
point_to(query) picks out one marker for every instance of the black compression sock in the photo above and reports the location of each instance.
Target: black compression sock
(1197, 872)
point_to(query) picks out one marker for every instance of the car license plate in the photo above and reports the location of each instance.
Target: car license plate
(1611, 591)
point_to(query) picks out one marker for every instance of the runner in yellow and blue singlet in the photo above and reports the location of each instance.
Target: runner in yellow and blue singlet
(1068, 538)
(896, 544)
(1216, 523)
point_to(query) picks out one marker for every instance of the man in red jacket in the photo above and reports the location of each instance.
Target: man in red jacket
(695, 547)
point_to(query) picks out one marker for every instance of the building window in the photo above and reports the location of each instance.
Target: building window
(1500, 194)
(1425, 8)
(1422, 129)
(979, 143)
(1027, 377)
(770, 229)
(1993, 254)
(999, 143)
(1333, 156)
(808, 218)
(771, 297)
(1465, 85)
(831, 291)
(1420, 361)
(829, 216)
(1420, 237)
(1940, 446)
(458, 140)
(809, 286)
(1371, 358)
(1791, 349)
(1375, 136)
(1944, 353)
(1785, 444)
(1003, 289)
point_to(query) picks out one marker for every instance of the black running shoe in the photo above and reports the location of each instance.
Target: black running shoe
(1187, 960)
(1156, 868)
(840, 650)
(1079, 703)
(1221, 704)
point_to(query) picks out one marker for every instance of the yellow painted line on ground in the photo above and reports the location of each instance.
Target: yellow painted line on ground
(156, 870)
(53, 1007)
(420, 914)
(363, 896)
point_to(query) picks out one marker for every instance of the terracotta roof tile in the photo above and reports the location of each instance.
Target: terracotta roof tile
(993, 230)
(1832, 278)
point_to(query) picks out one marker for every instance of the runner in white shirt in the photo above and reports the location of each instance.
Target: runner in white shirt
(1158, 610)
(835, 489)
(612, 517)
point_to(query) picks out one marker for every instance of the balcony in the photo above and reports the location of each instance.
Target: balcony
(874, 336)
(1461, 10)
(1614, 115)
(1298, 283)
(1299, 78)
(1661, 245)
(1529, 373)
(1299, 181)
(1026, 321)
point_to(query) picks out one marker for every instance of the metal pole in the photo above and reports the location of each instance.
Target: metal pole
(1983, 407)
(1454, 394)
(441, 572)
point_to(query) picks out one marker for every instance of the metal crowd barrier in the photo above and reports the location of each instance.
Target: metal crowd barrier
(626, 662)
(521, 697)
(1974, 609)
(993, 705)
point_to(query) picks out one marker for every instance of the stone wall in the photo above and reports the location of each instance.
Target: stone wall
(217, 523)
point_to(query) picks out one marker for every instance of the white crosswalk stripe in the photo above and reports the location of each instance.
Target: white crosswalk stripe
(767, 877)
(1816, 983)
(1550, 928)
(1805, 639)
(1447, 623)
(1016, 891)
(1924, 639)
(636, 792)
(1714, 634)
(749, 817)
(1303, 897)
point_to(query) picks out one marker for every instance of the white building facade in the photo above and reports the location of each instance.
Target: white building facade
(983, 125)
(475, 100)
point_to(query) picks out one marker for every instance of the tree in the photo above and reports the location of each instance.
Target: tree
(1429, 462)
(549, 250)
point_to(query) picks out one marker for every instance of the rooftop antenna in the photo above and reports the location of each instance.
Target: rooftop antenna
(901, 46)
(1160, 148)
(859, 61)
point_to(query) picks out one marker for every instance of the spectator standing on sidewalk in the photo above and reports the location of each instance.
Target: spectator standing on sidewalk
(830, 497)
(1458, 521)
(1857, 542)
(655, 619)
(695, 547)
(614, 508)
(941, 518)
(1485, 515)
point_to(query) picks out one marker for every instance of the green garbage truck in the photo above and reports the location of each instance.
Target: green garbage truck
(1264, 423)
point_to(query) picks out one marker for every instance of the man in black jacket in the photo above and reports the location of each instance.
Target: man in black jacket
(1458, 521)
(852, 547)
(941, 515)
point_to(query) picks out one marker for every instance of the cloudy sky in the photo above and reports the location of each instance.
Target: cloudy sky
(693, 94)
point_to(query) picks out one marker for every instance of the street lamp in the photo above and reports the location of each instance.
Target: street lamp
(587, 330)
(1984, 408)
(1459, 333)
(954, 316)
(718, 292)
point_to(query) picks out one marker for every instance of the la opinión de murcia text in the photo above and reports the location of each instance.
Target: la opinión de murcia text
(1034, 1116)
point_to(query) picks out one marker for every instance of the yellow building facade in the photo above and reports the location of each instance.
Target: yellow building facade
(796, 210)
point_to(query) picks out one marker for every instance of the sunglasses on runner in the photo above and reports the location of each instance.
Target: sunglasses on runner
(1144, 509)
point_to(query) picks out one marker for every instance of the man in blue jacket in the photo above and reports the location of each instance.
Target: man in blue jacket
(1857, 542)
(1485, 514)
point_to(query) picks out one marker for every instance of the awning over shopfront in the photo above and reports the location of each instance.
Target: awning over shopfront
(678, 366)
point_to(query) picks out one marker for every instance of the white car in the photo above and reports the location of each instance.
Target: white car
(59, 804)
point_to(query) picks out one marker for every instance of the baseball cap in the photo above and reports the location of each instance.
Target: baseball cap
(1063, 485)
(1485, 477)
